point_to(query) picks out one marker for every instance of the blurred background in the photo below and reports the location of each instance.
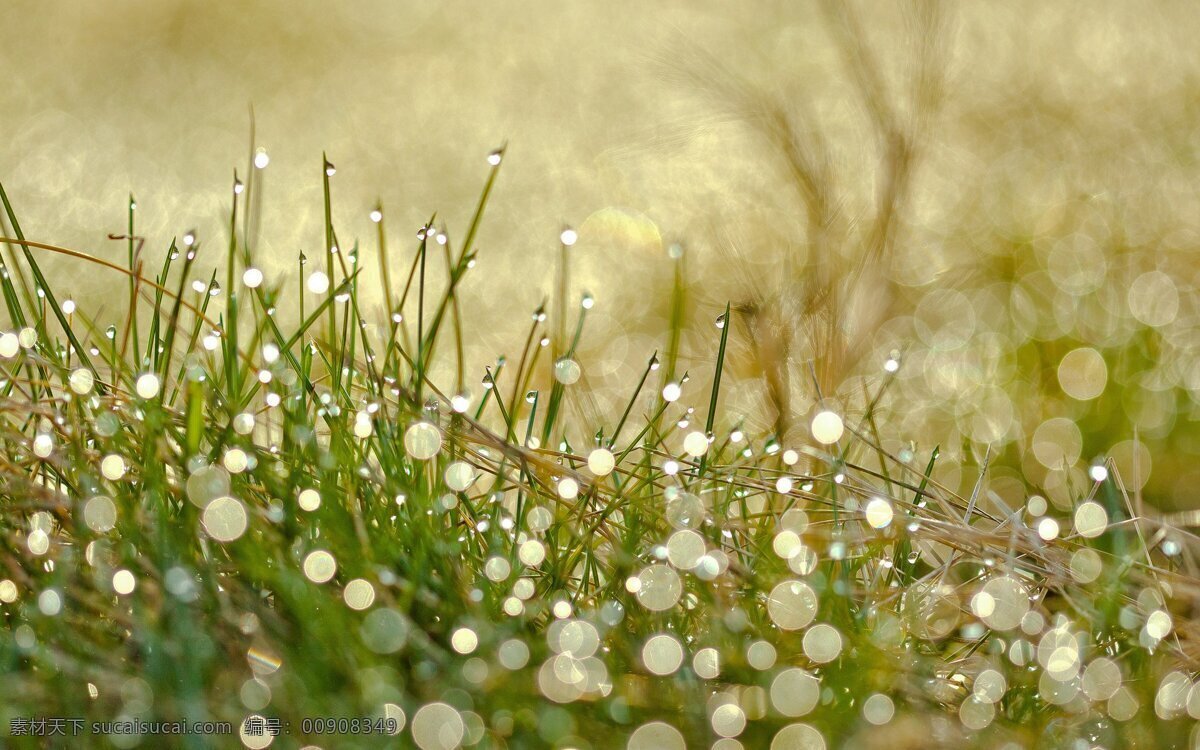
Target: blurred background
(1001, 199)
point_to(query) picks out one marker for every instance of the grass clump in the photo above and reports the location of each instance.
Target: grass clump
(212, 514)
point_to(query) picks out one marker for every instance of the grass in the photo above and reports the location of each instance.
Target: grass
(211, 514)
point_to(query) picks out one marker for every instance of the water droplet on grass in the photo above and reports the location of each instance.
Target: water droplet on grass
(422, 441)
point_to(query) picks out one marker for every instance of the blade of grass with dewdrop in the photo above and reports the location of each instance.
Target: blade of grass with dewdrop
(17, 314)
(718, 450)
(11, 300)
(251, 223)
(197, 326)
(716, 388)
(869, 417)
(678, 309)
(305, 371)
(229, 341)
(301, 259)
(532, 416)
(385, 265)
(153, 343)
(40, 279)
(650, 365)
(133, 313)
(529, 340)
(662, 407)
(189, 258)
(521, 508)
(241, 359)
(127, 334)
(29, 299)
(558, 390)
(402, 323)
(327, 250)
(900, 563)
(427, 335)
(449, 300)
(558, 341)
(560, 300)
(374, 378)
(396, 352)
(339, 350)
(477, 218)
(527, 379)
(228, 357)
(456, 320)
(419, 372)
(503, 412)
(987, 457)
(253, 195)
(487, 391)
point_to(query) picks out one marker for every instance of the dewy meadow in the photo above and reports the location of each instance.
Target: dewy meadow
(858, 502)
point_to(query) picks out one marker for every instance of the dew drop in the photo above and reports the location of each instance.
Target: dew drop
(601, 462)
(224, 519)
(318, 282)
(827, 427)
(567, 371)
(422, 441)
